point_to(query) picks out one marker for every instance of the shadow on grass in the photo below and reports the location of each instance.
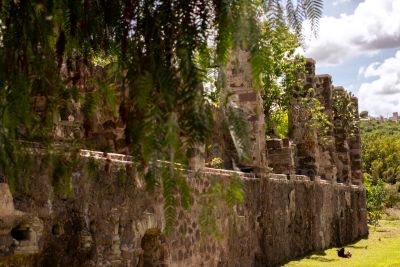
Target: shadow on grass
(321, 259)
(357, 247)
(383, 230)
(314, 255)
(318, 255)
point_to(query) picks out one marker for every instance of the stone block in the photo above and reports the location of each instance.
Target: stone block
(248, 97)
(278, 176)
(6, 200)
(274, 143)
(285, 142)
(297, 177)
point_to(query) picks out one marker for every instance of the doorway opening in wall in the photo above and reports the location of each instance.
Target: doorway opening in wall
(154, 249)
(20, 232)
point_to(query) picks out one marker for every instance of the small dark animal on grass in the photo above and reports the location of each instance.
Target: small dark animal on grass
(341, 253)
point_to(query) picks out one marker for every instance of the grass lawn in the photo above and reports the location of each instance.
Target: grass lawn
(382, 248)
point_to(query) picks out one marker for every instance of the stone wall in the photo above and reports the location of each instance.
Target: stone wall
(105, 223)
(104, 220)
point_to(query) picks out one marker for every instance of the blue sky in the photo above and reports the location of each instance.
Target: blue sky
(359, 45)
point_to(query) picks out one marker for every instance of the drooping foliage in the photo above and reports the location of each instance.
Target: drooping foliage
(142, 61)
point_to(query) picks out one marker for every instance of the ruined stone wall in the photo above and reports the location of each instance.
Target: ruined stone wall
(104, 222)
(337, 156)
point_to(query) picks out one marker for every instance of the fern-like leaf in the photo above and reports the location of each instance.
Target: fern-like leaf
(168, 185)
(235, 191)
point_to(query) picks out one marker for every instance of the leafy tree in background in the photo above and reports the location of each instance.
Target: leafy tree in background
(381, 150)
(150, 55)
(377, 196)
(381, 157)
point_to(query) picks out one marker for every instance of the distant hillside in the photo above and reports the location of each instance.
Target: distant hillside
(373, 127)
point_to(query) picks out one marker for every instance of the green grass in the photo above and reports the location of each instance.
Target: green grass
(382, 248)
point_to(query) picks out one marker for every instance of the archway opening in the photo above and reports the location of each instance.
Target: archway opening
(154, 249)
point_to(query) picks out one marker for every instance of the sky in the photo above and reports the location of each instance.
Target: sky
(358, 43)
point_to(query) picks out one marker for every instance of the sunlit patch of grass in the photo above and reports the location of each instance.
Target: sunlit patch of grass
(381, 249)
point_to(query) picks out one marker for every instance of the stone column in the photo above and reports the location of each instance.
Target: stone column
(302, 135)
(247, 98)
(327, 151)
(342, 147)
(355, 148)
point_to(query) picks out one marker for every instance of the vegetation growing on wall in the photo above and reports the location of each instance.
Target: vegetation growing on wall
(229, 194)
(274, 70)
(344, 111)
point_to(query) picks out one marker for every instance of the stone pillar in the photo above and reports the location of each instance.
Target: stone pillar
(342, 147)
(355, 148)
(247, 98)
(327, 151)
(302, 135)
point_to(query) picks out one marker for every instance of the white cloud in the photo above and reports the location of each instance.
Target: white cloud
(338, 2)
(382, 95)
(361, 70)
(374, 25)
